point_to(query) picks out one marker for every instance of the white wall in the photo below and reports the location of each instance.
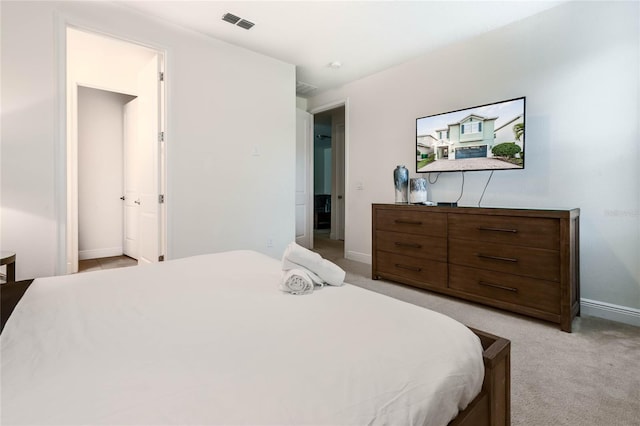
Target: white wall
(301, 103)
(222, 100)
(579, 67)
(100, 172)
(106, 63)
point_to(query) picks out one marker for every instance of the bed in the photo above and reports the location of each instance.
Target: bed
(211, 340)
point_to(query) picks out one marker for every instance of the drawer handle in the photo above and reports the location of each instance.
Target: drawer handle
(501, 287)
(513, 231)
(408, 222)
(411, 268)
(410, 245)
(504, 259)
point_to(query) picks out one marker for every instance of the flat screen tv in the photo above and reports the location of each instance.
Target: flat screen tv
(485, 137)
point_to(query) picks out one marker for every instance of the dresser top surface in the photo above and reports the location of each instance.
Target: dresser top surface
(493, 211)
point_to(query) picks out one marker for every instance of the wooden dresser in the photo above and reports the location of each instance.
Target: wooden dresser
(521, 260)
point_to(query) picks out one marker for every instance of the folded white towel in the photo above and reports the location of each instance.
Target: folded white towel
(327, 271)
(296, 281)
(288, 265)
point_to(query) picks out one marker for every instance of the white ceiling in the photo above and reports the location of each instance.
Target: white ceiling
(364, 36)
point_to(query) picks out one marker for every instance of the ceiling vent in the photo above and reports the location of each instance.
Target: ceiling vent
(236, 20)
(304, 88)
(245, 24)
(231, 18)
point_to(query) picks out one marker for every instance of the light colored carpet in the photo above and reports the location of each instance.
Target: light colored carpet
(590, 377)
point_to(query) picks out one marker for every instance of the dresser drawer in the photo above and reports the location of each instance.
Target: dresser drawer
(429, 272)
(523, 261)
(423, 246)
(521, 231)
(537, 294)
(411, 222)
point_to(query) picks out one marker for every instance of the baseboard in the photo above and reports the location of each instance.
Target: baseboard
(610, 311)
(358, 257)
(99, 253)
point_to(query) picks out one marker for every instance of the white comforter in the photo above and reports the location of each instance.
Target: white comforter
(211, 340)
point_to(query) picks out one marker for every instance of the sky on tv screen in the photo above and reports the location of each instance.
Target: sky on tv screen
(505, 111)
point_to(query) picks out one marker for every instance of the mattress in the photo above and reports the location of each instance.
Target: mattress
(211, 340)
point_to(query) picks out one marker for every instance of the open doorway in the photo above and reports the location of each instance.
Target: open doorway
(329, 177)
(103, 148)
(115, 156)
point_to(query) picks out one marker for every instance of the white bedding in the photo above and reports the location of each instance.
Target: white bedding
(211, 340)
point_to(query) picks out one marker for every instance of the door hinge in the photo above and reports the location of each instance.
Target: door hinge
(161, 258)
(161, 198)
(161, 137)
(161, 76)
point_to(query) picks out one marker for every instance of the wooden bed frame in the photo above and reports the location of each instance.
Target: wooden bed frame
(492, 407)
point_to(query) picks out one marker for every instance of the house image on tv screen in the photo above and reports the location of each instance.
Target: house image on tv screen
(505, 133)
(488, 137)
(471, 137)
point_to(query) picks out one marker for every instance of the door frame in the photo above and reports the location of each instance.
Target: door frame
(66, 168)
(326, 107)
(338, 179)
(307, 171)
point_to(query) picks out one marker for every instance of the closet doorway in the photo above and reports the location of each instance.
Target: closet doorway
(115, 150)
(103, 147)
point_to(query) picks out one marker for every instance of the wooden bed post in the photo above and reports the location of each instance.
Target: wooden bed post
(492, 407)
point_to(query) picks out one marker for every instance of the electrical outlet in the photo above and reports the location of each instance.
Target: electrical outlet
(269, 242)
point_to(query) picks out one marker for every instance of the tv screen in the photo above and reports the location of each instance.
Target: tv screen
(485, 137)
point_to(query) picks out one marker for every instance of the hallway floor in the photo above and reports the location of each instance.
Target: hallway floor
(329, 249)
(106, 263)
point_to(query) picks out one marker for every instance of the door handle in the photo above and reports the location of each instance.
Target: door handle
(137, 202)
(339, 197)
(122, 198)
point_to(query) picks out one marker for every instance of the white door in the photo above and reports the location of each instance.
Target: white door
(148, 163)
(304, 161)
(131, 181)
